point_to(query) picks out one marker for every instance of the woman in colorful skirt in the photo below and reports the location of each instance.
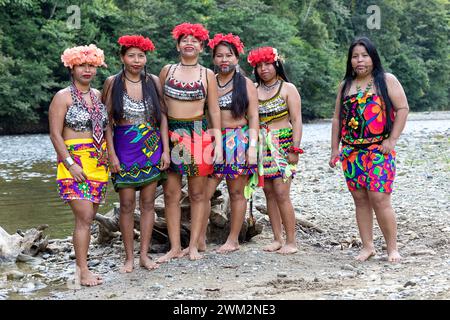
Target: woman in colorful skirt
(188, 87)
(139, 150)
(78, 121)
(370, 114)
(281, 133)
(238, 103)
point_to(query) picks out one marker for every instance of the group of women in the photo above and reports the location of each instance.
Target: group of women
(209, 126)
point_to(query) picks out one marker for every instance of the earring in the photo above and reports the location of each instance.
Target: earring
(238, 68)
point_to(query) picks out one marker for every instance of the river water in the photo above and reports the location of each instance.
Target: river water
(28, 194)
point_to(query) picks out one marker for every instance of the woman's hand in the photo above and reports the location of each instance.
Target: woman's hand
(165, 161)
(292, 158)
(252, 156)
(218, 155)
(334, 158)
(387, 145)
(77, 173)
(114, 163)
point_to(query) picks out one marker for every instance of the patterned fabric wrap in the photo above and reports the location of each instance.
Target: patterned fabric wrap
(139, 149)
(364, 119)
(95, 167)
(191, 147)
(235, 145)
(368, 168)
(275, 151)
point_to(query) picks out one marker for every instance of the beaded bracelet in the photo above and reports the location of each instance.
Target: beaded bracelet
(296, 150)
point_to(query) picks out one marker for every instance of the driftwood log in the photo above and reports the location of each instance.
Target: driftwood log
(218, 227)
(22, 244)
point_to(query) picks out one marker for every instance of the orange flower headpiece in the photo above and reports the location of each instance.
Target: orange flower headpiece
(196, 30)
(263, 54)
(145, 44)
(83, 54)
(230, 38)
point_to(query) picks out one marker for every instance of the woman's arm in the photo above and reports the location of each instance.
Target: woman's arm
(253, 122)
(214, 115)
(56, 114)
(401, 107)
(114, 163)
(295, 114)
(163, 127)
(335, 127)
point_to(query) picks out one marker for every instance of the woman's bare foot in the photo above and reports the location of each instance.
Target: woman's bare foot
(274, 246)
(147, 263)
(127, 266)
(228, 246)
(194, 255)
(394, 256)
(89, 279)
(288, 249)
(365, 254)
(172, 254)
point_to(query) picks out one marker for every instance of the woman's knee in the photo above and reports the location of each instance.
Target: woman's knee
(197, 195)
(127, 206)
(172, 196)
(236, 195)
(361, 198)
(147, 205)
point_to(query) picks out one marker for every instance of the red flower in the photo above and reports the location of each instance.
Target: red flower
(230, 38)
(263, 54)
(185, 29)
(138, 41)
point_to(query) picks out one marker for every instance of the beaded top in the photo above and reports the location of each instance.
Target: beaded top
(78, 117)
(225, 101)
(186, 91)
(135, 111)
(273, 109)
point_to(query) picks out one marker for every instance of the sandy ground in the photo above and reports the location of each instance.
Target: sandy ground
(324, 267)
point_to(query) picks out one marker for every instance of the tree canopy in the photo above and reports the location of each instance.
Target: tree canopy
(312, 36)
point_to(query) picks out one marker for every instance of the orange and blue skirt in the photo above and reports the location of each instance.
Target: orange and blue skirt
(368, 168)
(94, 165)
(191, 147)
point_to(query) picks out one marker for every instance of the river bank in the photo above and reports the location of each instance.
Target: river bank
(324, 267)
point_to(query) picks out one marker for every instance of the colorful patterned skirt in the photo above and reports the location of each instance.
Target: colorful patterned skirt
(94, 165)
(235, 145)
(368, 168)
(275, 153)
(191, 147)
(139, 149)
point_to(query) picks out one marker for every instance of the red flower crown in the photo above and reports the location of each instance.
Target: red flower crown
(196, 30)
(145, 44)
(263, 54)
(230, 38)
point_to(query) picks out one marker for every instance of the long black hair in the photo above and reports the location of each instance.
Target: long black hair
(239, 100)
(149, 92)
(278, 65)
(378, 74)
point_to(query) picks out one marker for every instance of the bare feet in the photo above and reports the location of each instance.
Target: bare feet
(365, 254)
(288, 249)
(274, 246)
(200, 248)
(194, 255)
(228, 246)
(127, 266)
(172, 254)
(394, 256)
(89, 279)
(147, 263)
